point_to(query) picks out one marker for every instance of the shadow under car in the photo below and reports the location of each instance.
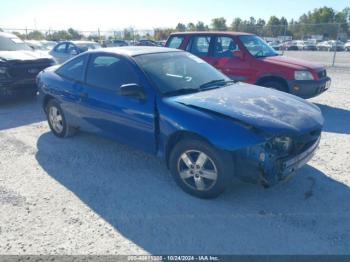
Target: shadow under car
(135, 193)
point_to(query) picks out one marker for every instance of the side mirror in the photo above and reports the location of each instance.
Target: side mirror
(238, 54)
(132, 90)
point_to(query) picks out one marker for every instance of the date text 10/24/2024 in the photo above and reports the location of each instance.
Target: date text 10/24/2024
(173, 258)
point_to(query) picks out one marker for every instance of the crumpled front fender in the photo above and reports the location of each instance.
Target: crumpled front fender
(222, 132)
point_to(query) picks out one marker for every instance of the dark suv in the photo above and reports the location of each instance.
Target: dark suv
(247, 58)
(19, 66)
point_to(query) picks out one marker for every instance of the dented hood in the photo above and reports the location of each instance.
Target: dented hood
(268, 110)
(22, 55)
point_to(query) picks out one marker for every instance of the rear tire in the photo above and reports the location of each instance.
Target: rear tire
(200, 169)
(57, 120)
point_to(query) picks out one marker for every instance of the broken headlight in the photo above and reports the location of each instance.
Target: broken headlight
(281, 144)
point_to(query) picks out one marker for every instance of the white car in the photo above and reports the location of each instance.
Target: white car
(300, 44)
(331, 45)
(68, 49)
(347, 46)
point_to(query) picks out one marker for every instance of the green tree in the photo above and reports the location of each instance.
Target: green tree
(18, 34)
(321, 15)
(219, 24)
(74, 34)
(200, 26)
(162, 34)
(343, 18)
(180, 27)
(60, 35)
(191, 27)
(261, 22)
(36, 35)
(236, 24)
(277, 26)
(322, 21)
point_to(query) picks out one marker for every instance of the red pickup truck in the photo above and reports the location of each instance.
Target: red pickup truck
(246, 57)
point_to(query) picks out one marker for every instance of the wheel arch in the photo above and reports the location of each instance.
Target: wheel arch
(177, 137)
(46, 100)
(272, 78)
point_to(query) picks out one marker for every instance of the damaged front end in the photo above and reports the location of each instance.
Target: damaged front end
(276, 159)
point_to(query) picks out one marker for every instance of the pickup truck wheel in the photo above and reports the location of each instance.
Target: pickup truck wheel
(200, 169)
(275, 85)
(57, 120)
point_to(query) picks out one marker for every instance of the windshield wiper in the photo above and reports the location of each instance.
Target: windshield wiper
(209, 85)
(181, 91)
(215, 84)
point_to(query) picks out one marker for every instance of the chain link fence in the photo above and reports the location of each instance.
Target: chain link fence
(326, 43)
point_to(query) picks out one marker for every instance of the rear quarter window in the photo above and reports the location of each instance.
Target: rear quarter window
(175, 42)
(73, 70)
(61, 48)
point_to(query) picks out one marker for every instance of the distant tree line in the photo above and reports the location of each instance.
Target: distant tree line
(69, 34)
(324, 21)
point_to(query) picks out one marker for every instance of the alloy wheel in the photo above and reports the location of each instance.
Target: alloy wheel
(197, 170)
(56, 119)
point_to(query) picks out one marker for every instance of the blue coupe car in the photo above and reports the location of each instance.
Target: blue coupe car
(174, 105)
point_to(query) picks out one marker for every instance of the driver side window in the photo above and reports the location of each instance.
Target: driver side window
(224, 46)
(109, 72)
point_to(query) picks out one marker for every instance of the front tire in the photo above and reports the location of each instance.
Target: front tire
(57, 120)
(200, 169)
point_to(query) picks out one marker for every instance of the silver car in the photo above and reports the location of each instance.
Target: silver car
(66, 50)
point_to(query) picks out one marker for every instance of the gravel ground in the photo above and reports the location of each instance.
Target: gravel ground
(87, 195)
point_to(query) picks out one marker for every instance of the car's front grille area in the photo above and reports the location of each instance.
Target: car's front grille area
(26, 70)
(322, 74)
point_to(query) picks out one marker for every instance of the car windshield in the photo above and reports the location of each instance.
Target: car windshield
(88, 46)
(12, 44)
(256, 46)
(177, 73)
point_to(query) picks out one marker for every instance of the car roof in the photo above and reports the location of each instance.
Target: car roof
(8, 35)
(135, 50)
(77, 42)
(212, 33)
(84, 42)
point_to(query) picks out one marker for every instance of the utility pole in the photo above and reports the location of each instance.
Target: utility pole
(336, 42)
(285, 34)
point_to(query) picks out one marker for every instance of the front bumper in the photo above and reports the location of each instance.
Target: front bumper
(309, 88)
(290, 165)
(11, 88)
(272, 168)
